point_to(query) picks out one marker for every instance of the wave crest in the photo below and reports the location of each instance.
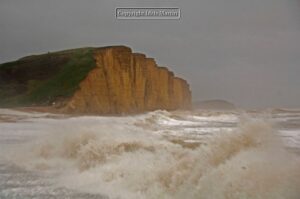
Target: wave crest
(126, 161)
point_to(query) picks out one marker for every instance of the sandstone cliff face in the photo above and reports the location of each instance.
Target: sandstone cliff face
(126, 82)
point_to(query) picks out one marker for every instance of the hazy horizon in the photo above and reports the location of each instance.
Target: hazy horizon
(240, 51)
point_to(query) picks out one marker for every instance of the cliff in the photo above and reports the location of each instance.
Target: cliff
(108, 80)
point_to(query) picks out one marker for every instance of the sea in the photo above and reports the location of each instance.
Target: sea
(198, 154)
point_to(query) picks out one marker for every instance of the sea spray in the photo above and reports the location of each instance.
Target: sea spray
(116, 157)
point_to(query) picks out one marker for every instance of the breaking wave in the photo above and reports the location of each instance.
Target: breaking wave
(120, 159)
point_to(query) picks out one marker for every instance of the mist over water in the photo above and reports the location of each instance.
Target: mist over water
(200, 154)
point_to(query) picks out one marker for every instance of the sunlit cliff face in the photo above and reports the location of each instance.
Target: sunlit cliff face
(126, 82)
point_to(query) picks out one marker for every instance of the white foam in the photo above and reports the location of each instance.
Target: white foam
(116, 157)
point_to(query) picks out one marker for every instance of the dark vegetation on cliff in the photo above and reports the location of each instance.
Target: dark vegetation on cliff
(41, 79)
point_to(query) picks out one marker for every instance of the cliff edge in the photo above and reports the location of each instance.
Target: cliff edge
(107, 80)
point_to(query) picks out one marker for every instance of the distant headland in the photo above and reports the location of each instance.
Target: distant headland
(215, 104)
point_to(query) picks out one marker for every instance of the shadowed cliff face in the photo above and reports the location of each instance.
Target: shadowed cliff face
(126, 82)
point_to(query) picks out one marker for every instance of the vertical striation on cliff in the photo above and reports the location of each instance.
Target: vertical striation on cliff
(127, 82)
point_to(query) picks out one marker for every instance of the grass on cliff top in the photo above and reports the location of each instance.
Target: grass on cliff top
(67, 80)
(61, 84)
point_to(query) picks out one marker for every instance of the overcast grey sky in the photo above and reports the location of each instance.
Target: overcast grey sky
(247, 52)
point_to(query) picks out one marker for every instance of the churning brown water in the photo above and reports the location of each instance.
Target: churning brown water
(200, 154)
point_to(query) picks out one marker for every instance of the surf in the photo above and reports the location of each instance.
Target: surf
(131, 157)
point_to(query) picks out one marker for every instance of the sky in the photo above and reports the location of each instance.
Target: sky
(246, 52)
